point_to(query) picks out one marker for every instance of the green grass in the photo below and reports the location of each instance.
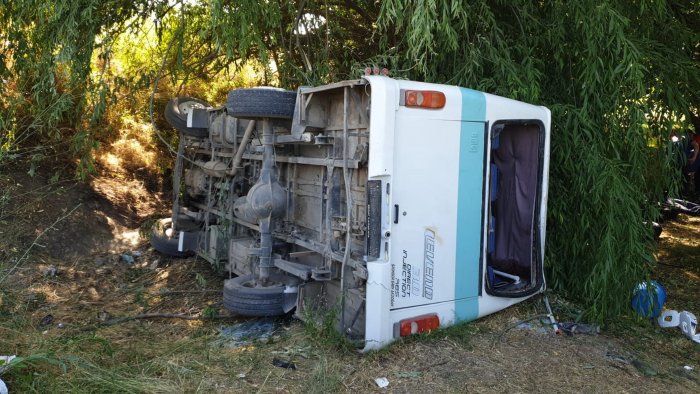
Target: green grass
(321, 328)
(325, 378)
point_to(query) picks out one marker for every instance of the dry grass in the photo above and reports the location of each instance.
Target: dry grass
(679, 263)
(169, 355)
(183, 356)
(134, 149)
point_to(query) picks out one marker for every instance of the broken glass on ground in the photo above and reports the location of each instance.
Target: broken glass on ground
(245, 333)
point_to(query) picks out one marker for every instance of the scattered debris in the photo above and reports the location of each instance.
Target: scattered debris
(243, 334)
(689, 326)
(100, 261)
(4, 361)
(61, 325)
(644, 368)
(283, 364)
(685, 320)
(687, 373)
(571, 328)
(616, 357)
(241, 376)
(407, 374)
(291, 352)
(52, 271)
(550, 315)
(382, 382)
(538, 328)
(154, 265)
(46, 320)
(136, 254)
(103, 316)
(126, 258)
(669, 318)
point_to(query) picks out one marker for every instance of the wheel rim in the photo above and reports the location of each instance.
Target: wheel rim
(186, 107)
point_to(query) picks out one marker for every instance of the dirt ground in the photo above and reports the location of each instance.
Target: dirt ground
(67, 292)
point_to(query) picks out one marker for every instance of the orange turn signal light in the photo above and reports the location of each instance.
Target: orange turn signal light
(430, 99)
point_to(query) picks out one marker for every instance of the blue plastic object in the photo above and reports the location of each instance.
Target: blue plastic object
(648, 299)
(495, 142)
(494, 182)
(491, 244)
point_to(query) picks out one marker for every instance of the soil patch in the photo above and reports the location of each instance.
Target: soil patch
(67, 220)
(55, 304)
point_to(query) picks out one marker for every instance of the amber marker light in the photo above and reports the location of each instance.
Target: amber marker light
(428, 99)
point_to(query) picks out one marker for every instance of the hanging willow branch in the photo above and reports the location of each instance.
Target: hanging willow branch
(617, 75)
(609, 71)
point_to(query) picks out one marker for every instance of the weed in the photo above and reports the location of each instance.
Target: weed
(321, 327)
(91, 377)
(140, 299)
(325, 378)
(21, 371)
(86, 344)
(7, 304)
(210, 311)
(200, 281)
(148, 227)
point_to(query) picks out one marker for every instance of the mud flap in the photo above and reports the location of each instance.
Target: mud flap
(290, 298)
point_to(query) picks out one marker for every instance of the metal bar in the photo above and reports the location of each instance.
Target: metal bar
(244, 142)
(312, 161)
(177, 177)
(267, 178)
(348, 210)
(354, 82)
(228, 216)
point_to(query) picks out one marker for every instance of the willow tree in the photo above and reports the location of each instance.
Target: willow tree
(308, 41)
(50, 101)
(616, 74)
(55, 58)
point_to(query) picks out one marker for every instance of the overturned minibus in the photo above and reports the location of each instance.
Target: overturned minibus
(401, 206)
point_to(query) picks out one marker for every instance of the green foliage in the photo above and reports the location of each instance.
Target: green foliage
(46, 51)
(321, 327)
(21, 369)
(615, 75)
(308, 41)
(326, 378)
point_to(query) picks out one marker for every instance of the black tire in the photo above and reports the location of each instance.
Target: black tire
(658, 229)
(265, 102)
(669, 213)
(165, 241)
(241, 297)
(176, 114)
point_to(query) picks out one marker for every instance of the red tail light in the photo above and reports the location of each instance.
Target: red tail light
(424, 99)
(418, 324)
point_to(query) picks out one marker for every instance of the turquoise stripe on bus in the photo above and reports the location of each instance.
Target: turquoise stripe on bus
(469, 204)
